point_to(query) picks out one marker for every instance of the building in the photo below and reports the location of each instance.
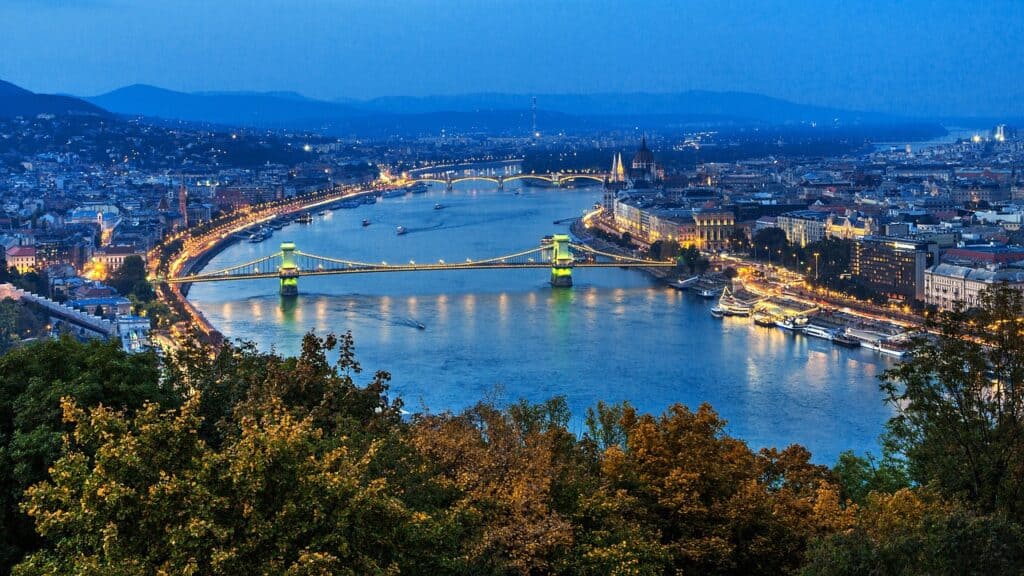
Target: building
(713, 228)
(849, 227)
(946, 284)
(991, 256)
(803, 227)
(643, 167)
(894, 267)
(110, 306)
(111, 257)
(22, 258)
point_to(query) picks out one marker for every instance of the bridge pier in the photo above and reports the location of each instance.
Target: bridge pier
(448, 184)
(561, 261)
(501, 182)
(289, 271)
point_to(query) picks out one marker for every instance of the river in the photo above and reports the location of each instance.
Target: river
(506, 334)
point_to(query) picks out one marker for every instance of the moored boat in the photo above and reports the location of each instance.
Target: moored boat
(762, 318)
(681, 284)
(841, 338)
(791, 323)
(305, 218)
(815, 331)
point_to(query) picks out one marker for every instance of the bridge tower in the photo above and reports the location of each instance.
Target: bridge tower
(448, 183)
(289, 271)
(561, 261)
(501, 182)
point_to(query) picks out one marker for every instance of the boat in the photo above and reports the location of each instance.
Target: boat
(349, 204)
(709, 291)
(365, 222)
(400, 230)
(681, 284)
(438, 206)
(815, 331)
(791, 322)
(421, 326)
(419, 188)
(889, 347)
(305, 218)
(762, 318)
(369, 199)
(259, 235)
(841, 338)
(731, 305)
(395, 193)
(717, 311)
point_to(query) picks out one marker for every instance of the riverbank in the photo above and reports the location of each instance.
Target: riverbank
(202, 244)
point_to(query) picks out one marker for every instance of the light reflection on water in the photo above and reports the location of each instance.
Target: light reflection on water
(614, 336)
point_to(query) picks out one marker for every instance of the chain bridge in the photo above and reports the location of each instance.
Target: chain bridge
(561, 255)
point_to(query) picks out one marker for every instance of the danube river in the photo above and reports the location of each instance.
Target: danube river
(506, 334)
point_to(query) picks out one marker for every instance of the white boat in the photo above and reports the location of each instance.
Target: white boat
(888, 347)
(400, 230)
(709, 291)
(791, 322)
(815, 331)
(730, 305)
(681, 284)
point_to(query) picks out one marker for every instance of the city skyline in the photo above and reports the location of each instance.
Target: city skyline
(915, 58)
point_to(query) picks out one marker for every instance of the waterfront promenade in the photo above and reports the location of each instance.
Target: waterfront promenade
(188, 249)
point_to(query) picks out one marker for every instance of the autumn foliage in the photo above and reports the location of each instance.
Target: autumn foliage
(242, 462)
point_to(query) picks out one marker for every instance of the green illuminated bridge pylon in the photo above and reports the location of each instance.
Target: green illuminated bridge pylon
(561, 255)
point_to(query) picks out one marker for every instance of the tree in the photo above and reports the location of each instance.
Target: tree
(769, 244)
(130, 279)
(960, 404)
(860, 476)
(738, 241)
(917, 532)
(33, 379)
(145, 495)
(664, 249)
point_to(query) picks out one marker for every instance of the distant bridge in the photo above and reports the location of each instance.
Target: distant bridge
(561, 255)
(556, 178)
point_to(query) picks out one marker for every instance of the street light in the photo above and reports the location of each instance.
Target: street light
(816, 255)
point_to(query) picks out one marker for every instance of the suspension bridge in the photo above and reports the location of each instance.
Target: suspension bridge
(561, 255)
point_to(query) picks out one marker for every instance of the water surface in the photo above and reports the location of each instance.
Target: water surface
(616, 335)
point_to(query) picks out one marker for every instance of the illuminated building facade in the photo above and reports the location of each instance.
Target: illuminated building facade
(893, 266)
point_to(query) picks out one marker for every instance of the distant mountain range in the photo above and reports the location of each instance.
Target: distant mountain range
(496, 113)
(16, 101)
(489, 111)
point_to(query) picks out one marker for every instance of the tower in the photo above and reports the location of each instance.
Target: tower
(183, 202)
(289, 271)
(533, 110)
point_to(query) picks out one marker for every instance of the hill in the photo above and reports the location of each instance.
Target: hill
(16, 101)
(237, 108)
(734, 106)
(492, 113)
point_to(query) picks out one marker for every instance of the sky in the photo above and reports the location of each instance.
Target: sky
(914, 57)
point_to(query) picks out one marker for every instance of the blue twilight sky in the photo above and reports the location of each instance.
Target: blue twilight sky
(909, 56)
